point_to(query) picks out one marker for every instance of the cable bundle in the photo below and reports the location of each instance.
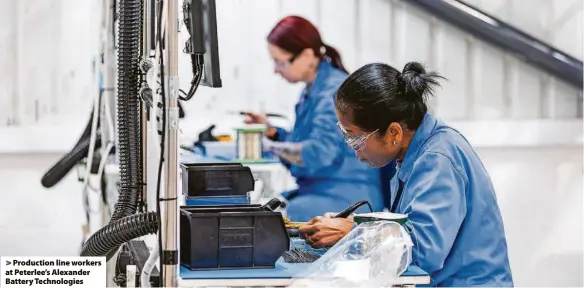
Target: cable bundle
(299, 255)
(128, 108)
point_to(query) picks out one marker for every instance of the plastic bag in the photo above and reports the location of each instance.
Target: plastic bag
(374, 254)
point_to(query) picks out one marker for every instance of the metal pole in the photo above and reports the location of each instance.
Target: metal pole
(147, 31)
(143, 107)
(170, 218)
(146, 12)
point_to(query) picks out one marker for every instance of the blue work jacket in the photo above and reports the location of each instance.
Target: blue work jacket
(331, 178)
(448, 196)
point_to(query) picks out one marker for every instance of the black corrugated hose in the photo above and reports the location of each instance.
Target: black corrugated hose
(61, 168)
(125, 225)
(119, 232)
(128, 108)
(65, 164)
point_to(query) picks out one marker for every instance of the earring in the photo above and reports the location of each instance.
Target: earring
(394, 143)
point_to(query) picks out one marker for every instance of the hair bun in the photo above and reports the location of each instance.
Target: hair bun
(414, 69)
(416, 83)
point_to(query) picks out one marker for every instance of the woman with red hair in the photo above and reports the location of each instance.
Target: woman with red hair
(329, 175)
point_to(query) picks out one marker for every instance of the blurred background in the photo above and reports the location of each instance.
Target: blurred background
(525, 123)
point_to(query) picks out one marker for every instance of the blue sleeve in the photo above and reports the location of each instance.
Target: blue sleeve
(323, 146)
(281, 135)
(436, 208)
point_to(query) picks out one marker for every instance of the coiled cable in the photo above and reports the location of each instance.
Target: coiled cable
(119, 232)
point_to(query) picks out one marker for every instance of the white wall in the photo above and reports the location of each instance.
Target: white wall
(539, 191)
(495, 99)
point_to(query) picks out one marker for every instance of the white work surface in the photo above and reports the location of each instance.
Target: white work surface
(270, 282)
(282, 275)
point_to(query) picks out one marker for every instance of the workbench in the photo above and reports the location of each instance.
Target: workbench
(284, 274)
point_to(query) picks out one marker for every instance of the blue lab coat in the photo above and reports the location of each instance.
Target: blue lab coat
(331, 178)
(448, 196)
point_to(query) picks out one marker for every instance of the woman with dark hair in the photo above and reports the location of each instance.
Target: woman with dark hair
(440, 184)
(329, 175)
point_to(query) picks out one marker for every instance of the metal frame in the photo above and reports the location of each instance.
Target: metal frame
(170, 216)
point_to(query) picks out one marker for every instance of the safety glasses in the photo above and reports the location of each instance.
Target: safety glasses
(357, 143)
(285, 64)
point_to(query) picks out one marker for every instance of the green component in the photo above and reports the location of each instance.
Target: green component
(252, 130)
(252, 161)
(383, 216)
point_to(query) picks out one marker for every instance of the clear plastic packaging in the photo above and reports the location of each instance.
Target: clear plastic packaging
(374, 254)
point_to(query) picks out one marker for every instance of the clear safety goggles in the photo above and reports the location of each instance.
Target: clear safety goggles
(357, 143)
(285, 64)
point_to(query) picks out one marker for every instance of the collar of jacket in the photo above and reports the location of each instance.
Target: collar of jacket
(421, 135)
(323, 71)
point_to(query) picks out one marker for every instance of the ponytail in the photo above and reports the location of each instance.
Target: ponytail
(334, 57)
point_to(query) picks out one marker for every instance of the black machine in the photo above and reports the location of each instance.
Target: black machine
(201, 22)
(221, 236)
(232, 233)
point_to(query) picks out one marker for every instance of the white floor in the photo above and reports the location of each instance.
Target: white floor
(34, 220)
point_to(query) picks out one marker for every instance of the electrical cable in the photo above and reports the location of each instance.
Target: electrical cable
(91, 151)
(163, 138)
(181, 91)
(197, 63)
(103, 161)
(110, 143)
(148, 267)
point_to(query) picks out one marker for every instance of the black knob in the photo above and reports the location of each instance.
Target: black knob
(272, 204)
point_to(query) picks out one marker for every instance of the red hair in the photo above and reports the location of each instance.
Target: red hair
(294, 34)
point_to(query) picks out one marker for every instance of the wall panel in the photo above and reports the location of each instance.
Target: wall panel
(452, 98)
(338, 28)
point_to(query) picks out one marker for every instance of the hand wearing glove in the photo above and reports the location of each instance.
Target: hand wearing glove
(287, 150)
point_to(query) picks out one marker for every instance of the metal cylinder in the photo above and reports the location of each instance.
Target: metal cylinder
(145, 52)
(249, 144)
(170, 216)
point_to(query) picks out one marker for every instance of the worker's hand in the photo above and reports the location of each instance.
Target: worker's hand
(325, 232)
(255, 118)
(333, 214)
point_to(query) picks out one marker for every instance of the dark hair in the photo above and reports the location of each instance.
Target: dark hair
(378, 94)
(294, 34)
